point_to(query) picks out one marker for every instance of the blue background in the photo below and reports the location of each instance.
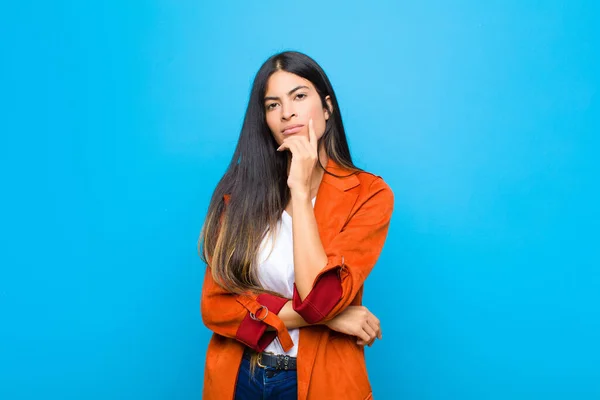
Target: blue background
(118, 118)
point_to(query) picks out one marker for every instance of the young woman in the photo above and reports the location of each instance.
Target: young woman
(292, 231)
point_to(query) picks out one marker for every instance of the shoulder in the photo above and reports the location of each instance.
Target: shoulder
(372, 184)
(374, 196)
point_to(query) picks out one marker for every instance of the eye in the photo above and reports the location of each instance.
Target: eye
(301, 96)
(271, 106)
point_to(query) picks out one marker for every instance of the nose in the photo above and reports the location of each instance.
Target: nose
(287, 112)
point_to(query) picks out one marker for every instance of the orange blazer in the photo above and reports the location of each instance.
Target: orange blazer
(353, 215)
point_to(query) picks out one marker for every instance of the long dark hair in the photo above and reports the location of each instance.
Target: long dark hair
(256, 179)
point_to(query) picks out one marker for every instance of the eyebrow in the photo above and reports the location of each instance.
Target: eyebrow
(289, 93)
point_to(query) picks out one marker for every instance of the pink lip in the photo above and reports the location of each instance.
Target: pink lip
(292, 129)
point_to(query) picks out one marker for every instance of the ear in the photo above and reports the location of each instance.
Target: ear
(329, 107)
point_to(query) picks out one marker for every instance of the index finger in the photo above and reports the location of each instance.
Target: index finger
(312, 136)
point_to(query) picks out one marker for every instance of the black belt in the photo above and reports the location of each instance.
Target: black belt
(277, 361)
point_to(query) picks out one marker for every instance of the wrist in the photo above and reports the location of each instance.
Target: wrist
(324, 323)
(300, 194)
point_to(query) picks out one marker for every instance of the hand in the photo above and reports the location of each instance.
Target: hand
(304, 158)
(357, 321)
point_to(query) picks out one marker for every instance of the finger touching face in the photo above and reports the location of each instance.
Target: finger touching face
(290, 102)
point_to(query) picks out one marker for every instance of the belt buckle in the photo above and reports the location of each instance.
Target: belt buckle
(259, 360)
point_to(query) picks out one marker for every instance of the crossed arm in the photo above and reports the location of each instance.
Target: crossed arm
(255, 320)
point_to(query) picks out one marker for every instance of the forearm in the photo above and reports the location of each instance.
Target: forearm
(309, 254)
(290, 318)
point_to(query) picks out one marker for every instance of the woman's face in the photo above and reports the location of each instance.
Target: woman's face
(292, 101)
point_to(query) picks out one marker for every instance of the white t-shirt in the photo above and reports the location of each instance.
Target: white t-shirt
(276, 271)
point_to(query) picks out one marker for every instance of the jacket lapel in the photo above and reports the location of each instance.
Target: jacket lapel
(334, 201)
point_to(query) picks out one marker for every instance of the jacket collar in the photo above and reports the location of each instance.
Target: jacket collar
(348, 180)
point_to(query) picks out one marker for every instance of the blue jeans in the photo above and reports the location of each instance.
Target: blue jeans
(267, 383)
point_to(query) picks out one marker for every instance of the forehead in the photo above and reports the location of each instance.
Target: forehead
(282, 82)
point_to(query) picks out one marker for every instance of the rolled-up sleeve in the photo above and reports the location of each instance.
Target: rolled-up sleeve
(351, 256)
(244, 317)
(252, 330)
